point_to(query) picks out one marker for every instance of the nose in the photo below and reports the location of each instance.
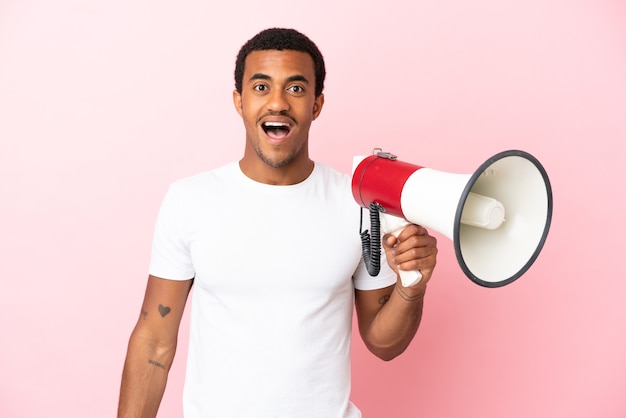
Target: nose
(277, 101)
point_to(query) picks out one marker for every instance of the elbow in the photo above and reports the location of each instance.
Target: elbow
(385, 356)
(386, 347)
(386, 353)
(163, 349)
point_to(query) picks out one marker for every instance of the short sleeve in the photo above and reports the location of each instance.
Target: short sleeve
(170, 258)
(386, 277)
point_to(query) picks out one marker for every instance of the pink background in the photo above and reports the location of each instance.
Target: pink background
(104, 103)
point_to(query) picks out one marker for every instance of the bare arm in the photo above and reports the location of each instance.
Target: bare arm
(389, 318)
(152, 347)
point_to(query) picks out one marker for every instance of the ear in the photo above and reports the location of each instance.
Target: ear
(317, 106)
(237, 102)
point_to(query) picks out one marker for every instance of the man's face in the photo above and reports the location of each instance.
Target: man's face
(278, 104)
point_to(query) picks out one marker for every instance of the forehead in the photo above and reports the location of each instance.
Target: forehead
(279, 64)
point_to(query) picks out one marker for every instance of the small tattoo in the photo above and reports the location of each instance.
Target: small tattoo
(156, 363)
(144, 314)
(164, 310)
(383, 300)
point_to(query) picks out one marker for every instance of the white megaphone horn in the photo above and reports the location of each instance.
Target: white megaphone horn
(498, 217)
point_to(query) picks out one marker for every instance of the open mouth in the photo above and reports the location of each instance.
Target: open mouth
(276, 130)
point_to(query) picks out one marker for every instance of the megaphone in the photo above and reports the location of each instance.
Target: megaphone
(497, 217)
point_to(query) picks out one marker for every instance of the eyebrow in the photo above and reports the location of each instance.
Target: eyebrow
(297, 77)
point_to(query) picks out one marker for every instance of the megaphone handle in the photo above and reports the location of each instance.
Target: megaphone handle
(410, 277)
(394, 225)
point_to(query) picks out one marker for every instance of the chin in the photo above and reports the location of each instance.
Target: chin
(277, 159)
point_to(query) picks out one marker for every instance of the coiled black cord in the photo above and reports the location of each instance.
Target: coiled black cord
(371, 243)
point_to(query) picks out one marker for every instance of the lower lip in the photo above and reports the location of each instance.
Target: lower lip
(276, 141)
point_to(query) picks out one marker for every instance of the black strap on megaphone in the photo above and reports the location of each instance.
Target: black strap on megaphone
(371, 243)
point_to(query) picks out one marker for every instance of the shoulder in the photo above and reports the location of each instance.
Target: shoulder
(195, 190)
(203, 181)
(334, 188)
(331, 176)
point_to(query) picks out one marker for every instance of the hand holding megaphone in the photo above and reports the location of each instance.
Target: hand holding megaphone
(394, 225)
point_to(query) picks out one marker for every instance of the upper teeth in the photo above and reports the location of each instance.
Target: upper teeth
(275, 124)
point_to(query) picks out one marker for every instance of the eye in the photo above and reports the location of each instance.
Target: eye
(296, 89)
(260, 88)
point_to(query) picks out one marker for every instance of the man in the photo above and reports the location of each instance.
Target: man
(271, 246)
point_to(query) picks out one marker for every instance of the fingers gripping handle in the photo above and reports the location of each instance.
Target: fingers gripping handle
(394, 225)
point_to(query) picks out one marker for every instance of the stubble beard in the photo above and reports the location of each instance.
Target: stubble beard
(276, 162)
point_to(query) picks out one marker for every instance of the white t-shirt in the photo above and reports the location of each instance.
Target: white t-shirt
(275, 269)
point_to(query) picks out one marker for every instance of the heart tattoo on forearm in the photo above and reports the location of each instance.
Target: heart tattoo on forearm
(164, 310)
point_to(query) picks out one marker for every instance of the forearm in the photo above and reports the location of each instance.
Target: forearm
(144, 377)
(396, 323)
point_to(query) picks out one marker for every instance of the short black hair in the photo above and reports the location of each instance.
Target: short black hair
(281, 39)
